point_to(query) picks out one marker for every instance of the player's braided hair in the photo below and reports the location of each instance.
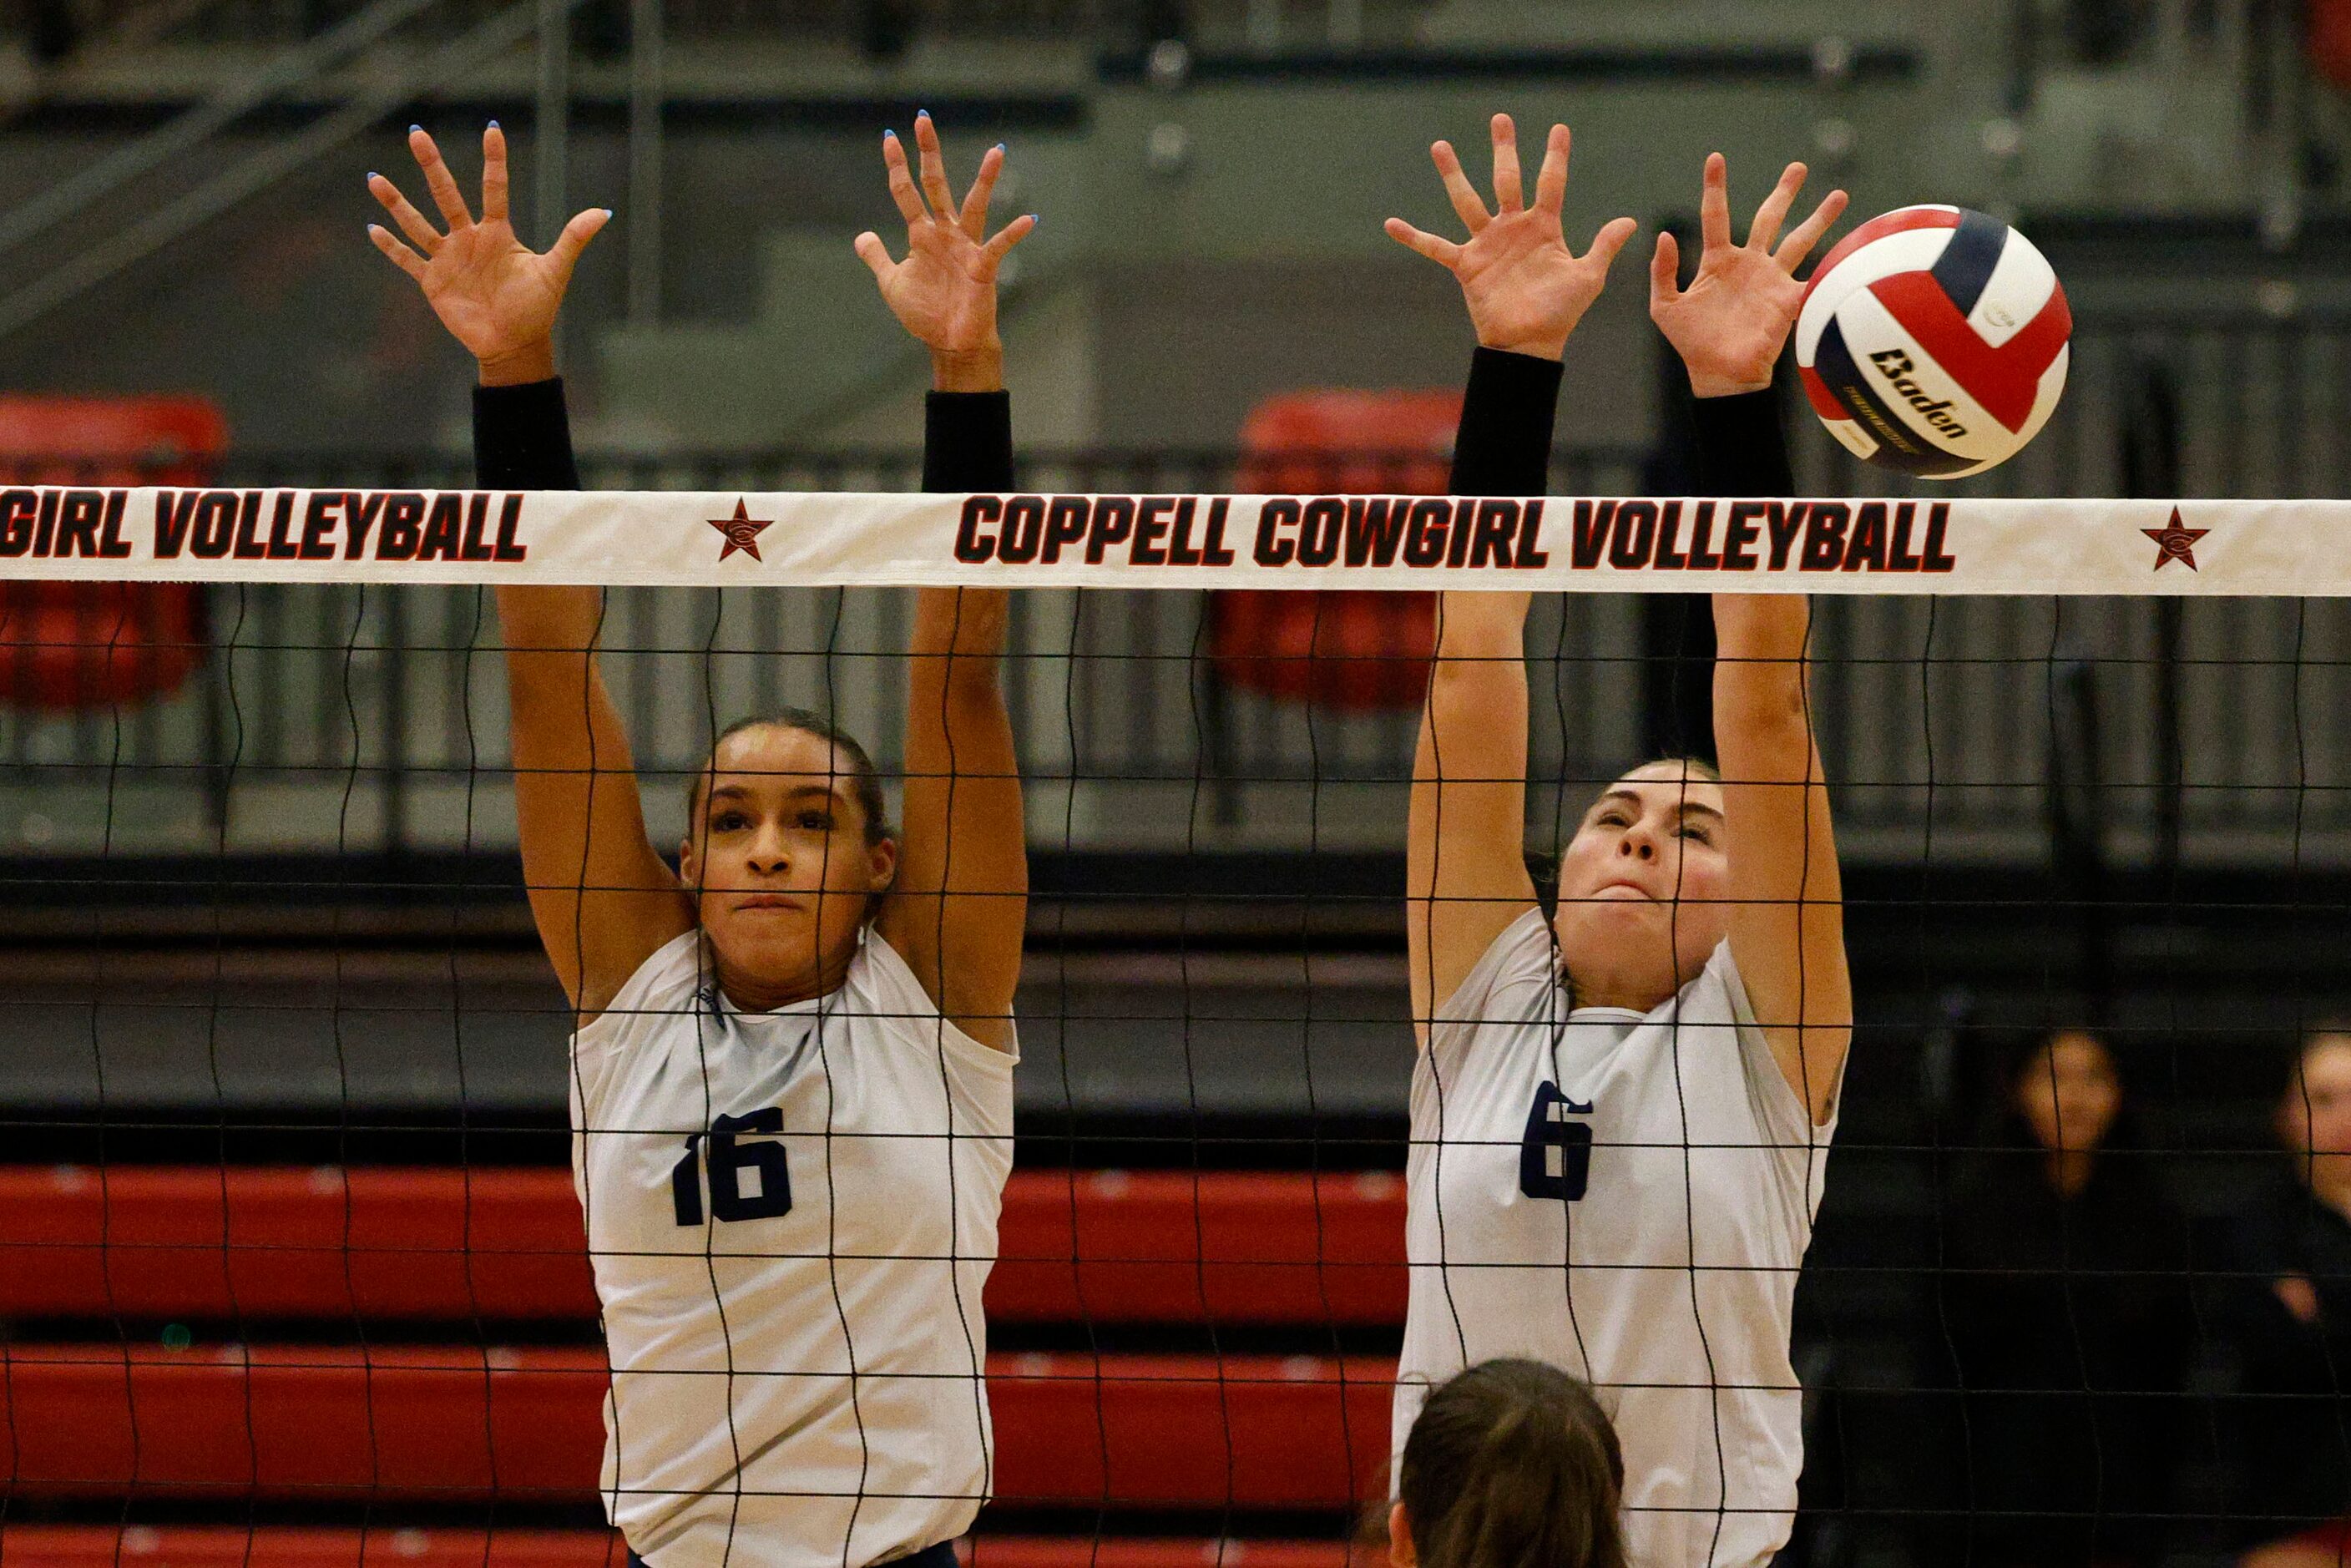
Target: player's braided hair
(1513, 1462)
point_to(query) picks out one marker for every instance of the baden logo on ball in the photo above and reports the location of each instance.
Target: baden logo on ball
(1933, 339)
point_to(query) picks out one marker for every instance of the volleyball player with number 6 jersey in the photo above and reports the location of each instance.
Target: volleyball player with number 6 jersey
(792, 1069)
(1619, 1114)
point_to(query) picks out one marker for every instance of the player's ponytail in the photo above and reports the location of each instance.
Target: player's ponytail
(1512, 1464)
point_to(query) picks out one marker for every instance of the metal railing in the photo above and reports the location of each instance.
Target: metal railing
(874, 27)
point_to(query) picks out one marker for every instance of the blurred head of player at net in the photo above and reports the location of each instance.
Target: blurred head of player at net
(788, 853)
(793, 1061)
(1659, 1059)
(1509, 1463)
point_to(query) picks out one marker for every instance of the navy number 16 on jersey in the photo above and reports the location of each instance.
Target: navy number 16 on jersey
(727, 1161)
(1555, 1155)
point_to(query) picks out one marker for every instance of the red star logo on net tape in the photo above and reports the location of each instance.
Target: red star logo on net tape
(741, 531)
(2175, 541)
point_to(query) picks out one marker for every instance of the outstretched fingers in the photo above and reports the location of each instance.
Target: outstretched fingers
(1764, 233)
(973, 216)
(1012, 234)
(584, 227)
(494, 174)
(1714, 205)
(1806, 235)
(407, 260)
(438, 180)
(1442, 252)
(1509, 194)
(876, 255)
(902, 180)
(1608, 242)
(413, 223)
(1464, 195)
(934, 166)
(1551, 180)
(1665, 270)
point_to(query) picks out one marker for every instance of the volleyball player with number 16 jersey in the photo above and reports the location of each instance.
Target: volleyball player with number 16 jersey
(792, 1068)
(1619, 1114)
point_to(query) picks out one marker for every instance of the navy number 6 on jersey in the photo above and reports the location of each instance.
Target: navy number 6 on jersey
(1555, 1155)
(727, 1160)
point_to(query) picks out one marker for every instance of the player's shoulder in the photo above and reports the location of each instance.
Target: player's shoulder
(882, 988)
(668, 984)
(1720, 987)
(1522, 953)
(1515, 982)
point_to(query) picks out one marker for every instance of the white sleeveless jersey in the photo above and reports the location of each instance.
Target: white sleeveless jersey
(1628, 1198)
(791, 1216)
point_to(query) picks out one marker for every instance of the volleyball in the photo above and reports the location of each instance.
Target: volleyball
(1934, 340)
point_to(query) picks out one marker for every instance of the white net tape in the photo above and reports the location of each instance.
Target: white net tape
(1581, 544)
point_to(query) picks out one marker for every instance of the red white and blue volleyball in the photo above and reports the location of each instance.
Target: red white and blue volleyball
(1933, 339)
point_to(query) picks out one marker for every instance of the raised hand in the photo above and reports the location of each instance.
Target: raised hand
(1526, 290)
(497, 295)
(944, 291)
(1731, 323)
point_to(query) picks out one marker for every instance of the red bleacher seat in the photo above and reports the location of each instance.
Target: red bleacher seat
(1111, 1551)
(403, 1427)
(321, 1423)
(174, 1241)
(1226, 1246)
(66, 645)
(47, 440)
(307, 1421)
(216, 1546)
(201, 1546)
(2327, 37)
(146, 1242)
(1189, 1431)
(1342, 649)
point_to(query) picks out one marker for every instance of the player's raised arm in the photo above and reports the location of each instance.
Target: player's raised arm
(1466, 873)
(960, 907)
(1787, 921)
(604, 900)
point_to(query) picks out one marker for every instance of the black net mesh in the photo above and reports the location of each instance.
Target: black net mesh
(295, 1267)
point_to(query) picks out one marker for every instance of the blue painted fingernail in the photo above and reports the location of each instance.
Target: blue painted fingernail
(414, 129)
(494, 125)
(1034, 220)
(1000, 147)
(374, 175)
(608, 212)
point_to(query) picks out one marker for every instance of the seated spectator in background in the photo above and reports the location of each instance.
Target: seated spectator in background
(2291, 1323)
(2065, 1296)
(1510, 1464)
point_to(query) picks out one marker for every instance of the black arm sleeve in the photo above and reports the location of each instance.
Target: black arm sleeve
(522, 438)
(1504, 445)
(967, 441)
(1741, 450)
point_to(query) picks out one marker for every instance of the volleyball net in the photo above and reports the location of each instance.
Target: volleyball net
(1614, 544)
(293, 1265)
